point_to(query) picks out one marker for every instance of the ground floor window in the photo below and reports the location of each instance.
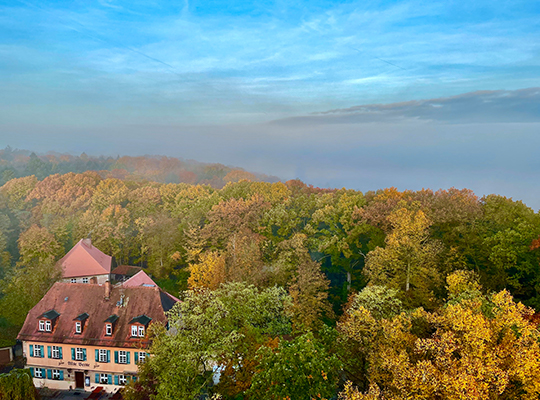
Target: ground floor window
(56, 374)
(38, 373)
(103, 378)
(122, 379)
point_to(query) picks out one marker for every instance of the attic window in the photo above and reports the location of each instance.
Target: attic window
(47, 326)
(84, 280)
(41, 325)
(73, 280)
(79, 322)
(109, 324)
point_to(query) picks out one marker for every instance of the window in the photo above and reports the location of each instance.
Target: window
(38, 373)
(141, 331)
(103, 356)
(79, 354)
(73, 280)
(122, 357)
(84, 280)
(37, 351)
(142, 357)
(56, 374)
(122, 379)
(47, 326)
(42, 326)
(103, 378)
(108, 329)
(78, 327)
(56, 352)
(133, 330)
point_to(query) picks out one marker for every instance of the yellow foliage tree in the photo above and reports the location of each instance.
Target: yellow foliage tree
(209, 272)
(476, 347)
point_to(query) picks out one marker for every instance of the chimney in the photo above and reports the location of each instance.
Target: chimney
(107, 290)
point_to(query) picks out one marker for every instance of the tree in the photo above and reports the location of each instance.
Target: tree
(409, 261)
(209, 272)
(209, 329)
(33, 275)
(17, 385)
(475, 347)
(298, 369)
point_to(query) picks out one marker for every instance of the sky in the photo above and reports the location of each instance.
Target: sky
(362, 94)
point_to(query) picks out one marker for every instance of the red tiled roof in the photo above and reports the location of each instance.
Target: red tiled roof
(85, 260)
(72, 299)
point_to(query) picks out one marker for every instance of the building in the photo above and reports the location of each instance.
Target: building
(84, 336)
(84, 263)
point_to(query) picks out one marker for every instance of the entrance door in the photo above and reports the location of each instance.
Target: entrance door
(79, 380)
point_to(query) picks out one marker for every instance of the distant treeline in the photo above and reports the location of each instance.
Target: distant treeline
(15, 163)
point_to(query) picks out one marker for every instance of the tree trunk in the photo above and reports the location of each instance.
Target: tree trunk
(407, 283)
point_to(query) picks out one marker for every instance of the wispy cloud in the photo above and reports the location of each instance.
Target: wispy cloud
(488, 106)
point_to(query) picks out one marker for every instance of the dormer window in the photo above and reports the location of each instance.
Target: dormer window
(109, 324)
(47, 320)
(138, 325)
(79, 322)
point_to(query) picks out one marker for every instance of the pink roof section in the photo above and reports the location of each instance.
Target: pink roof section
(85, 260)
(142, 279)
(139, 279)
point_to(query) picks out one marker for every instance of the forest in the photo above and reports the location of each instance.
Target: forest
(292, 291)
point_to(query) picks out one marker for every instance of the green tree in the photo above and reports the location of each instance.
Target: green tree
(208, 329)
(298, 369)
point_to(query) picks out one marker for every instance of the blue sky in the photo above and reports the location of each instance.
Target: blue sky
(296, 89)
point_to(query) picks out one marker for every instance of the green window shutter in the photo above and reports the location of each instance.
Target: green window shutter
(73, 353)
(49, 374)
(127, 356)
(60, 352)
(108, 356)
(97, 355)
(32, 371)
(43, 372)
(49, 353)
(61, 375)
(116, 357)
(109, 381)
(116, 380)
(136, 357)
(97, 378)
(84, 354)
(31, 350)
(134, 379)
